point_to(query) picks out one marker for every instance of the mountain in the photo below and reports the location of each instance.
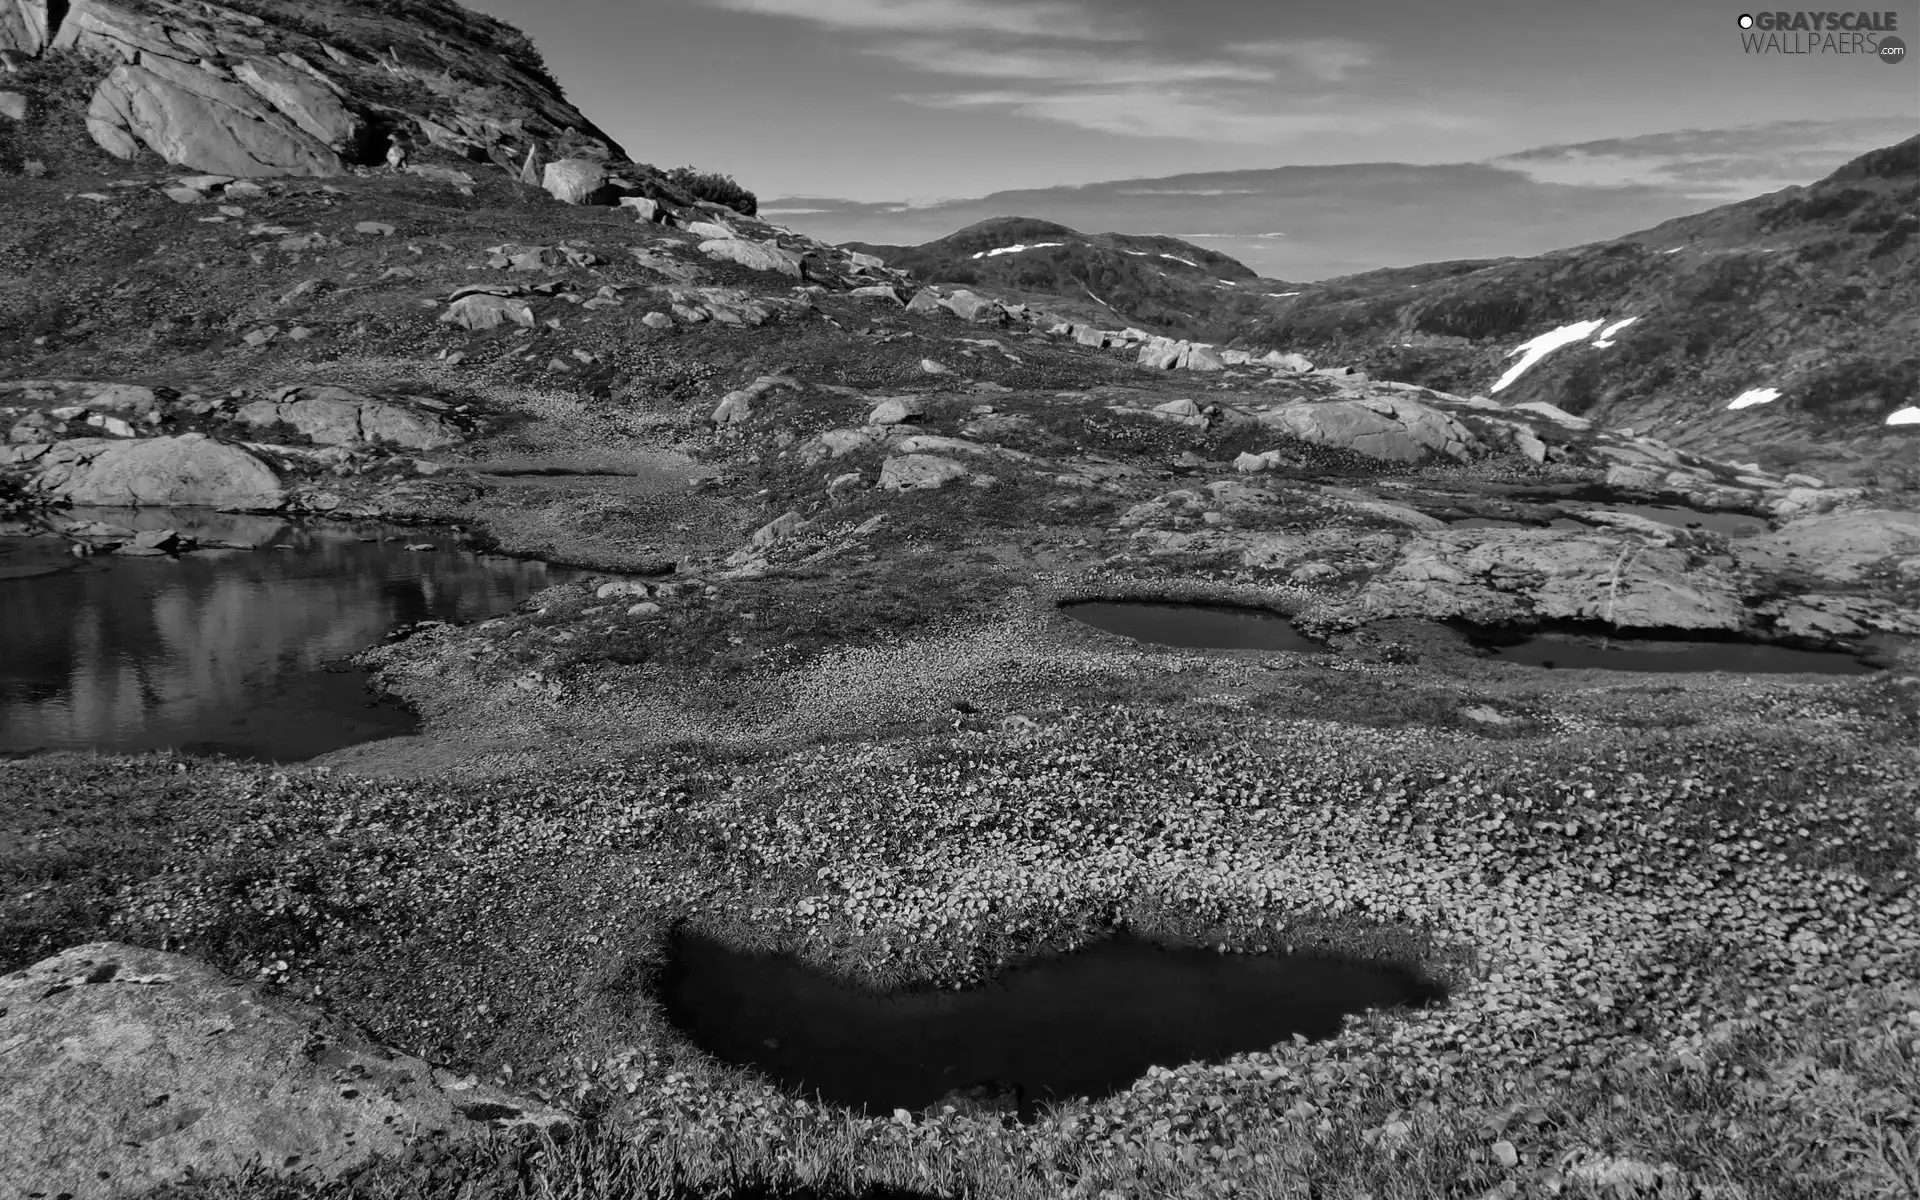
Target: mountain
(1811, 291)
(1163, 283)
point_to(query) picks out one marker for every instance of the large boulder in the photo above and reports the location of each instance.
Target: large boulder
(1393, 428)
(972, 306)
(334, 416)
(194, 119)
(128, 1069)
(579, 181)
(23, 26)
(190, 471)
(755, 256)
(480, 310)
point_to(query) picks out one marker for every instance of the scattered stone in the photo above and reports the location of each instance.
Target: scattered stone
(932, 367)
(481, 311)
(895, 409)
(780, 527)
(657, 320)
(376, 228)
(334, 416)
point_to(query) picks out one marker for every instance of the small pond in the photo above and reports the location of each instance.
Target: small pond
(1496, 523)
(1732, 524)
(1569, 650)
(225, 650)
(1086, 1023)
(1192, 626)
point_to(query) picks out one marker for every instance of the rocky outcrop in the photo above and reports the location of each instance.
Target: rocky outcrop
(190, 471)
(23, 26)
(577, 181)
(1836, 546)
(1529, 574)
(127, 1069)
(334, 416)
(198, 120)
(755, 256)
(918, 472)
(216, 90)
(1393, 428)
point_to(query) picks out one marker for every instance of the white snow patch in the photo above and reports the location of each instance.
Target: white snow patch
(1910, 415)
(1278, 295)
(1540, 347)
(1606, 335)
(1096, 299)
(1178, 259)
(1753, 396)
(1675, 250)
(1016, 249)
(1137, 253)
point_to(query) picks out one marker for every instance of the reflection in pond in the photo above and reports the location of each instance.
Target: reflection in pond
(1193, 626)
(1083, 1024)
(224, 650)
(1568, 651)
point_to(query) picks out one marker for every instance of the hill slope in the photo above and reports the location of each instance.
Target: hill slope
(1161, 282)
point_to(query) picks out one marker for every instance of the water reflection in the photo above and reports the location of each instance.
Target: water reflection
(225, 650)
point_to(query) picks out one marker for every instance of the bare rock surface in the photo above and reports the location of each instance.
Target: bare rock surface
(1395, 428)
(123, 1069)
(1835, 546)
(334, 416)
(190, 470)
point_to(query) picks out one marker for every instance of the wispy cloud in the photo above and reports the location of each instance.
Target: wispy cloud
(1330, 59)
(1193, 114)
(1187, 191)
(1024, 18)
(1713, 165)
(1076, 63)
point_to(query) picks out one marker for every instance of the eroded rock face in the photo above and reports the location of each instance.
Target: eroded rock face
(126, 1069)
(194, 119)
(1393, 428)
(1496, 575)
(914, 472)
(191, 471)
(334, 416)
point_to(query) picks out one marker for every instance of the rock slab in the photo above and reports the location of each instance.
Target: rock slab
(126, 1069)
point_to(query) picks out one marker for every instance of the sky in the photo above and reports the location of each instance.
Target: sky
(907, 103)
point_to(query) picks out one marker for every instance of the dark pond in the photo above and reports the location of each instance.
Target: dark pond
(1565, 650)
(225, 651)
(1192, 626)
(1496, 523)
(1082, 1024)
(1732, 524)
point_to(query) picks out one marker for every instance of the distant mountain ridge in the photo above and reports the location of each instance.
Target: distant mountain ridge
(1154, 280)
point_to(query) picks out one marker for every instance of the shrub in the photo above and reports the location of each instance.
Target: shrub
(719, 189)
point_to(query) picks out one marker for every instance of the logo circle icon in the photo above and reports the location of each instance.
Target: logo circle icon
(1892, 50)
(1746, 20)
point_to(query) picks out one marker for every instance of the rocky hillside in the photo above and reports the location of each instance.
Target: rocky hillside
(1811, 293)
(1162, 283)
(272, 88)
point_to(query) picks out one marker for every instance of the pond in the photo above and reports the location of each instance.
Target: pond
(1732, 524)
(225, 650)
(1570, 650)
(1086, 1023)
(1497, 523)
(1192, 626)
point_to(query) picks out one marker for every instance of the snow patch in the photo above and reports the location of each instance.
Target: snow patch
(1538, 348)
(1178, 259)
(1016, 249)
(1278, 295)
(1909, 415)
(1606, 335)
(1675, 250)
(1096, 299)
(1753, 396)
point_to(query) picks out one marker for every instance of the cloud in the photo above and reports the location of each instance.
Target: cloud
(1193, 114)
(1187, 191)
(1712, 165)
(1329, 59)
(1046, 18)
(1064, 68)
